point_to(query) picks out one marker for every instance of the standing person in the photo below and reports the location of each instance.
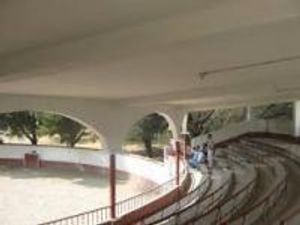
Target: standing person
(210, 151)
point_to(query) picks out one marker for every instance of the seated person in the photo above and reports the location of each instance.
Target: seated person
(191, 152)
(195, 149)
(197, 158)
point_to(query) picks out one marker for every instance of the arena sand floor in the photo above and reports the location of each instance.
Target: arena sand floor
(32, 196)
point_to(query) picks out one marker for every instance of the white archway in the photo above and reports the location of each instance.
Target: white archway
(101, 138)
(171, 124)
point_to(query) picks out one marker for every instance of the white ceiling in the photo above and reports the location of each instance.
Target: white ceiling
(149, 52)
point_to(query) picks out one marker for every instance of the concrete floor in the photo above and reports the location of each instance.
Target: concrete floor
(30, 196)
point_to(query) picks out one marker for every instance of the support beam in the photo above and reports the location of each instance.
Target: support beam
(112, 185)
(297, 119)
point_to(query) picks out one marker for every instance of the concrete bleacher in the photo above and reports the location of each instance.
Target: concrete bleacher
(197, 189)
(247, 186)
(199, 200)
(224, 184)
(271, 174)
(288, 149)
(289, 212)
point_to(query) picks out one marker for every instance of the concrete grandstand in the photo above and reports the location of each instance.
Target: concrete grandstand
(109, 63)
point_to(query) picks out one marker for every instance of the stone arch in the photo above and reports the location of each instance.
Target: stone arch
(185, 124)
(166, 116)
(179, 119)
(74, 118)
(171, 124)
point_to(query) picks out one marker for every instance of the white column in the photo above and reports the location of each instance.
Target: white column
(297, 118)
(184, 124)
(175, 118)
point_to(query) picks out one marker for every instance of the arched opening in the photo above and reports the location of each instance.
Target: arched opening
(71, 170)
(47, 128)
(148, 136)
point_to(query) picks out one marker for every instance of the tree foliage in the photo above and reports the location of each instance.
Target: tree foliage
(33, 125)
(272, 111)
(69, 131)
(22, 124)
(203, 122)
(146, 129)
(197, 120)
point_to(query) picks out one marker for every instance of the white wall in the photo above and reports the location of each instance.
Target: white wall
(280, 126)
(297, 119)
(149, 169)
(139, 166)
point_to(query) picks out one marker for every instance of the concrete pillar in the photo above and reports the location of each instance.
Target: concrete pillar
(176, 119)
(112, 185)
(184, 129)
(297, 118)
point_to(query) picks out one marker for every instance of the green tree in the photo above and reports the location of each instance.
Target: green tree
(21, 124)
(273, 111)
(203, 122)
(146, 129)
(69, 131)
(197, 121)
(33, 125)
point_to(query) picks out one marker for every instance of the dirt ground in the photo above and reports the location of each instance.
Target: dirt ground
(32, 196)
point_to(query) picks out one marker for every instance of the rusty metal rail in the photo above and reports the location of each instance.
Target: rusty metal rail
(100, 215)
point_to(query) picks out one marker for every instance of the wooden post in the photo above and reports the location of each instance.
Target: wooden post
(112, 185)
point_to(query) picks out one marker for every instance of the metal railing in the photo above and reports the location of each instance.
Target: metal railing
(92, 217)
(227, 208)
(222, 212)
(195, 195)
(129, 204)
(207, 208)
(183, 214)
(204, 210)
(100, 215)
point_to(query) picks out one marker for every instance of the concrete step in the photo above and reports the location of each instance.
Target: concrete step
(221, 179)
(264, 179)
(289, 210)
(272, 173)
(200, 185)
(243, 174)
